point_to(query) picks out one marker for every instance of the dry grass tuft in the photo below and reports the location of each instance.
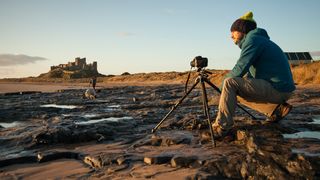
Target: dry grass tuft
(307, 73)
(165, 77)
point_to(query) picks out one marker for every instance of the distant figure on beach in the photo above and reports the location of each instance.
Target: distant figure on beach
(93, 81)
(261, 79)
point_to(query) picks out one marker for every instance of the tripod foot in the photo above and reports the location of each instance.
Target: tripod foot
(153, 130)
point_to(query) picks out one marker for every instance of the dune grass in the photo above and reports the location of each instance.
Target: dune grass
(302, 74)
(307, 73)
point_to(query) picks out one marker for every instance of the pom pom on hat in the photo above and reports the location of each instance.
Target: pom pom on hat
(248, 16)
(244, 24)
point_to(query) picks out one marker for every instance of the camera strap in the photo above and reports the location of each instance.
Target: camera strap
(186, 85)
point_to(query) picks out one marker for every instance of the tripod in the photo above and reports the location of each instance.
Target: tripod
(202, 78)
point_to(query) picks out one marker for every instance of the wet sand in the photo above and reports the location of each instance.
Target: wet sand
(10, 87)
(59, 169)
(43, 87)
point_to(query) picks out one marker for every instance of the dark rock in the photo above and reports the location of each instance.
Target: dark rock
(205, 176)
(158, 159)
(300, 167)
(18, 160)
(71, 133)
(40, 157)
(50, 156)
(21, 93)
(183, 161)
(171, 138)
(315, 163)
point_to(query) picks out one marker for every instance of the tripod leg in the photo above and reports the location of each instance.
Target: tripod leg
(175, 106)
(218, 90)
(206, 110)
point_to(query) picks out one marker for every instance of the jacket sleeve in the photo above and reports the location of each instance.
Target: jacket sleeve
(248, 55)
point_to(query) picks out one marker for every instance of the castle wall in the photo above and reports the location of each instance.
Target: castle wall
(78, 64)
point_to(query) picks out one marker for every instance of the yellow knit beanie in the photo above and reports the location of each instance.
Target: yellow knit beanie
(244, 24)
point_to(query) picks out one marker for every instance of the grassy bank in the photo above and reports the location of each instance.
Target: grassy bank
(302, 74)
(307, 73)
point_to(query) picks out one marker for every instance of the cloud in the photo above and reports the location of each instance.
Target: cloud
(125, 34)
(12, 59)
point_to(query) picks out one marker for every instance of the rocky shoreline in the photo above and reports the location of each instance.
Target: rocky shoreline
(110, 137)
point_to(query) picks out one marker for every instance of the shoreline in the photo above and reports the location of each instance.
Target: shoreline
(13, 87)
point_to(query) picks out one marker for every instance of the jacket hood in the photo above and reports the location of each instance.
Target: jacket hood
(259, 32)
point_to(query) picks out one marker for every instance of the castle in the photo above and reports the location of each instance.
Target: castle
(78, 64)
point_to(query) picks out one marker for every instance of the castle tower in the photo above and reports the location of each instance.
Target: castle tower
(77, 61)
(95, 66)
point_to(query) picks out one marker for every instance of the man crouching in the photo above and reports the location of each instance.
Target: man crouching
(268, 84)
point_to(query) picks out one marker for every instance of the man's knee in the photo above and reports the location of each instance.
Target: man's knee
(231, 82)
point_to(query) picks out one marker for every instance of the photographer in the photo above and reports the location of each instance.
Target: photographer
(261, 78)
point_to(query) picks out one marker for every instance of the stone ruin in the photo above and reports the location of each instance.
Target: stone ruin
(77, 69)
(78, 64)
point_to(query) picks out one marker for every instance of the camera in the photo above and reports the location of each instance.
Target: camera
(199, 62)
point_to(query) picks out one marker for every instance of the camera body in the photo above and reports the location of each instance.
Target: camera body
(199, 62)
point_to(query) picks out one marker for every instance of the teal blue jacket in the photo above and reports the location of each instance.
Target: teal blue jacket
(263, 59)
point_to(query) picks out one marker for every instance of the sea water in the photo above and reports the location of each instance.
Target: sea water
(110, 119)
(316, 120)
(306, 134)
(303, 134)
(60, 106)
(9, 125)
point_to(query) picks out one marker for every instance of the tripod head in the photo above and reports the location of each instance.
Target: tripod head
(202, 74)
(203, 71)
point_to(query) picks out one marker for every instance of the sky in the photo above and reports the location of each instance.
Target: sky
(139, 36)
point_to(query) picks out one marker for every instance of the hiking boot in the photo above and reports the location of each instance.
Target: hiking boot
(219, 132)
(280, 112)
